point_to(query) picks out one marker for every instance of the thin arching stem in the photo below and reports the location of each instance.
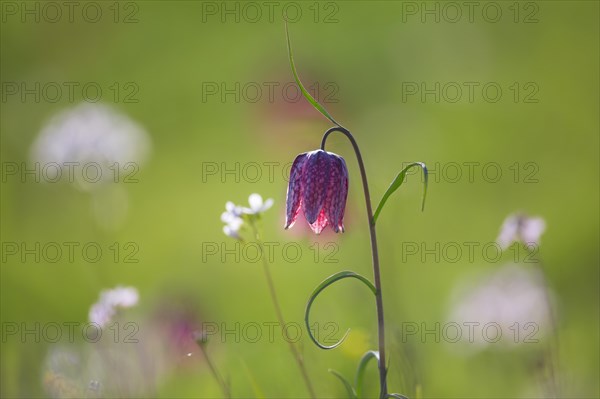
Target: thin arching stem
(297, 355)
(375, 255)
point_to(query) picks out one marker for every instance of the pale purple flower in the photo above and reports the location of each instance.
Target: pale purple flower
(319, 185)
(512, 299)
(521, 228)
(105, 309)
(92, 134)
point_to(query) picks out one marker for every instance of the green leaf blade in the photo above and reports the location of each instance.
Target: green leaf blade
(324, 284)
(360, 370)
(347, 385)
(396, 185)
(305, 93)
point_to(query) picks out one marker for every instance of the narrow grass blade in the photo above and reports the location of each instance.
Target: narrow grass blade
(360, 371)
(349, 389)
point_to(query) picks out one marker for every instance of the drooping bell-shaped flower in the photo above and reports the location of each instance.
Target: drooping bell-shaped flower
(319, 185)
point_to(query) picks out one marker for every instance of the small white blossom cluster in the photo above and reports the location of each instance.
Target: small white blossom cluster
(105, 309)
(233, 217)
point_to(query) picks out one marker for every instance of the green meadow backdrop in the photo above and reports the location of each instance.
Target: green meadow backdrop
(499, 99)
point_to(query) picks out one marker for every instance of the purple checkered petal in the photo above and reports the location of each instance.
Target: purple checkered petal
(319, 186)
(320, 223)
(337, 193)
(294, 192)
(315, 179)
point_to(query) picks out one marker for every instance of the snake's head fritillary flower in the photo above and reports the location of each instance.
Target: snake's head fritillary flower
(319, 185)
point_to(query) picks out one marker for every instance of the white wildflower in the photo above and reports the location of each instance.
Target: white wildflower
(233, 215)
(257, 205)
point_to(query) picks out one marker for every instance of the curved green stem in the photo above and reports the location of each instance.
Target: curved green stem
(375, 256)
(279, 313)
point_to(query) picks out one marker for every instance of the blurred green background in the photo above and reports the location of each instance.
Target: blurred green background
(364, 55)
